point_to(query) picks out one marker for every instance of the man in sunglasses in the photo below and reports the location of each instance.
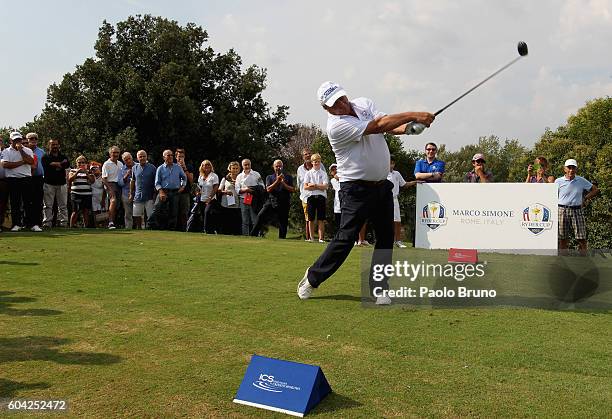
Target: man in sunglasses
(429, 169)
(479, 174)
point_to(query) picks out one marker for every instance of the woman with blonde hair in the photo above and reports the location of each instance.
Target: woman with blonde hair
(208, 183)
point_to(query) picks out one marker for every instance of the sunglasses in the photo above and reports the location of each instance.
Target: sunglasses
(480, 161)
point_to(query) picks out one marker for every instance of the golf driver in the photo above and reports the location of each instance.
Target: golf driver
(415, 128)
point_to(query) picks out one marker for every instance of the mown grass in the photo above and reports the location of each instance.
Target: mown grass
(162, 324)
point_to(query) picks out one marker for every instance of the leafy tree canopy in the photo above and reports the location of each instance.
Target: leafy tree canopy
(154, 84)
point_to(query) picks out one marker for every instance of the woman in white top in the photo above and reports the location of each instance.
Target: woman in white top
(208, 183)
(246, 182)
(231, 219)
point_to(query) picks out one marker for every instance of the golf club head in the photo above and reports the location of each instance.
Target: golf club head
(414, 128)
(522, 49)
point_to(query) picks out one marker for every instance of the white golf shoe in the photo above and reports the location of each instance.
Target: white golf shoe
(36, 229)
(304, 289)
(16, 228)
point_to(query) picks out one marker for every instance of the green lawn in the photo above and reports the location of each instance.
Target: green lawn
(162, 324)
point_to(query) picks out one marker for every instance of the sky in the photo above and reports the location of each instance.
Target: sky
(405, 55)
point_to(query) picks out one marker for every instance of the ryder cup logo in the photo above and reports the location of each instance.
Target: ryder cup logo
(433, 215)
(536, 218)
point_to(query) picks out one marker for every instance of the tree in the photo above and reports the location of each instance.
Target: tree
(154, 84)
(303, 136)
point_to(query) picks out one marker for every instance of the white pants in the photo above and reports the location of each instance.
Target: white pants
(51, 194)
(127, 210)
(396, 211)
(140, 208)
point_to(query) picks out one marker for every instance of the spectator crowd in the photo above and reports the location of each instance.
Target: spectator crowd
(44, 189)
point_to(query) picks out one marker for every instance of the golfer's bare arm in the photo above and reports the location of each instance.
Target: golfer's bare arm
(396, 123)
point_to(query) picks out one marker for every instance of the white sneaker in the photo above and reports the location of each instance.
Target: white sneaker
(308, 240)
(111, 226)
(321, 241)
(16, 228)
(36, 229)
(363, 243)
(383, 301)
(400, 244)
(304, 288)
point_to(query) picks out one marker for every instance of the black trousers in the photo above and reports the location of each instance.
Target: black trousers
(4, 197)
(207, 213)
(267, 211)
(231, 221)
(38, 192)
(20, 192)
(359, 202)
(165, 213)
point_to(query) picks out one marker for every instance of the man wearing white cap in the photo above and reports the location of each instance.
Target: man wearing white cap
(479, 174)
(17, 161)
(571, 202)
(355, 131)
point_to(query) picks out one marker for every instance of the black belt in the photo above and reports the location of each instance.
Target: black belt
(570, 206)
(368, 183)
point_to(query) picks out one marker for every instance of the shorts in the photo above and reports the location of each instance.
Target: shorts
(80, 202)
(572, 219)
(141, 207)
(305, 208)
(116, 189)
(316, 207)
(397, 217)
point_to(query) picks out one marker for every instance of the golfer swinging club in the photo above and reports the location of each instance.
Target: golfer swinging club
(355, 130)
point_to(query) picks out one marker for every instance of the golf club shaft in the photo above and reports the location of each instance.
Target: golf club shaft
(488, 78)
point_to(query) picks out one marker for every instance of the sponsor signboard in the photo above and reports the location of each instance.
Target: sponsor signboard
(486, 216)
(282, 386)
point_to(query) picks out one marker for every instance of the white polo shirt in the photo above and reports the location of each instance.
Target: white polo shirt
(207, 185)
(111, 171)
(246, 181)
(316, 176)
(9, 154)
(398, 182)
(359, 156)
(301, 172)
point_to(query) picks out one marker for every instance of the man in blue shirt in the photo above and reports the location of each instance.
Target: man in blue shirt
(571, 202)
(429, 169)
(170, 180)
(142, 188)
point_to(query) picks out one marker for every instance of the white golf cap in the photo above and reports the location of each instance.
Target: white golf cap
(570, 162)
(329, 92)
(16, 135)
